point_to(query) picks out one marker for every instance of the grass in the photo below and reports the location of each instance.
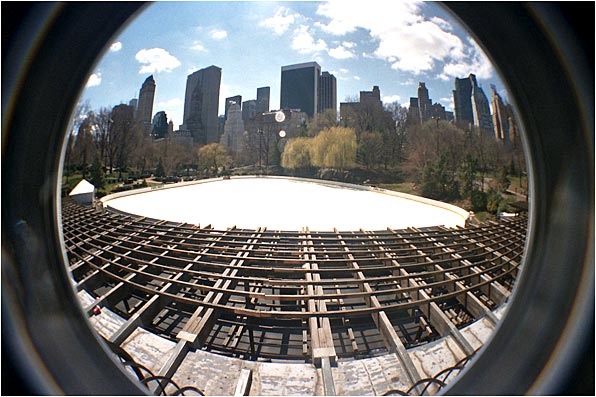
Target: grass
(110, 183)
(403, 187)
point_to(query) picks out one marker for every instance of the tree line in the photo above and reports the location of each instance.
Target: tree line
(445, 161)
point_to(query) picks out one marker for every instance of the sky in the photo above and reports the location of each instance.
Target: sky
(391, 44)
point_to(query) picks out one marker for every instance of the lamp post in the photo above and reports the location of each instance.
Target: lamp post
(437, 137)
(260, 132)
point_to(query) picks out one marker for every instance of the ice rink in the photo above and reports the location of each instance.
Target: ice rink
(284, 204)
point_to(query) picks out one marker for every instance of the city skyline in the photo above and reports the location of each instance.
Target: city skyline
(252, 41)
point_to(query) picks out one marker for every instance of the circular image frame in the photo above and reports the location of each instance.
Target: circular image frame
(50, 348)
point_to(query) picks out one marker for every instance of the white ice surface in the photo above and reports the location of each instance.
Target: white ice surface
(284, 204)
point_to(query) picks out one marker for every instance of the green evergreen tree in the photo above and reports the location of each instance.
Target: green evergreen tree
(479, 200)
(97, 174)
(467, 175)
(159, 170)
(494, 201)
(503, 181)
(437, 182)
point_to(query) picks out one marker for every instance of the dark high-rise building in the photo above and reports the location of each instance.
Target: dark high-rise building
(327, 92)
(233, 128)
(462, 99)
(371, 97)
(481, 108)
(249, 110)
(300, 87)
(121, 123)
(500, 116)
(145, 104)
(160, 126)
(201, 105)
(231, 101)
(438, 111)
(263, 97)
(413, 111)
(424, 103)
(133, 103)
(366, 115)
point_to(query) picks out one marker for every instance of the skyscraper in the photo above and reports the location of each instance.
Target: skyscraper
(462, 99)
(368, 114)
(201, 105)
(424, 103)
(249, 110)
(263, 96)
(300, 87)
(233, 128)
(230, 101)
(160, 125)
(327, 92)
(145, 104)
(500, 116)
(133, 103)
(481, 108)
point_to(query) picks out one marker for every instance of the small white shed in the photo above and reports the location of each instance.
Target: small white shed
(83, 193)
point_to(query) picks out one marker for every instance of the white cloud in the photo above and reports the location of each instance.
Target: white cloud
(391, 98)
(281, 21)
(341, 52)
(475, 62)
(94, 80)
(340, 74)
(117, 46)
(416, 48)
(198, 47)
(406, 39)
(356, 77)
(443, 24)
(218, 34)
(304, 42)
(155, 60)
(347, 16)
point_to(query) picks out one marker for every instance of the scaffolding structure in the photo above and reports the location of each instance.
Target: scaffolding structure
(298, 296)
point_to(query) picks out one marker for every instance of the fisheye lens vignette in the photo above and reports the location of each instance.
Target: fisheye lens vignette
(253, 94)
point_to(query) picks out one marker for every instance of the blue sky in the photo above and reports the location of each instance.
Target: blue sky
(388, 43)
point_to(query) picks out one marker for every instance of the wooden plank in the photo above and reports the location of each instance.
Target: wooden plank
(388, 333)
(327, 375)
(199, 324)
(321, 337)
(438, 319)
(469, 300)
(244, 383)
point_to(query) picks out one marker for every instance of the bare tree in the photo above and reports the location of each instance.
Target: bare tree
(370, 148)
(84, 150)
(101, 129)
(320, 121)
(78, 117)
(394, 141)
